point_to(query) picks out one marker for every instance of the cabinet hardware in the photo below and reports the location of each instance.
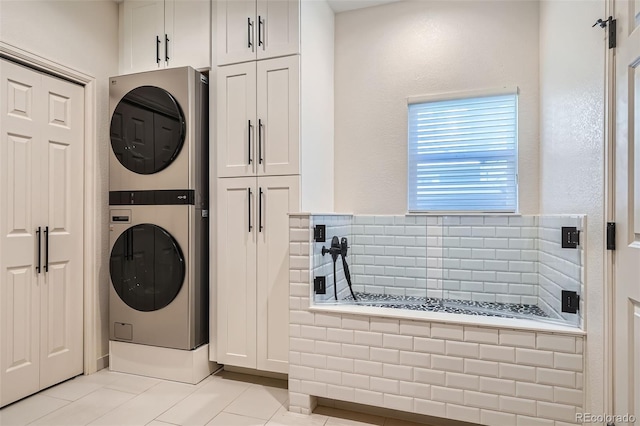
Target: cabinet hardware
(38, 232)
(260, 210)
(259, 141)
(166, 48)
(249, 142)
(46, 249)
(249, 34)
(249, 210)
(260, 26)
(157, 49)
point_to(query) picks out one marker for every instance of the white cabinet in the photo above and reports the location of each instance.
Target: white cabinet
(257, 29)
(253, 270)
(165, 33)
(258, 122)
(41, 226)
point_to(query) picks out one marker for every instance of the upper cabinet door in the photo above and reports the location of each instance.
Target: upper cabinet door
(236, 117)
(143, 36)
(278, 127)
(187, 33)
(237, 31)
(165, 33)
(278, 28)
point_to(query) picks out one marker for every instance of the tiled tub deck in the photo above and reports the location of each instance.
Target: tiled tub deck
(491, 371)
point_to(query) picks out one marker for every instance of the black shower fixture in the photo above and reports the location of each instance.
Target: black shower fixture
(339, 247)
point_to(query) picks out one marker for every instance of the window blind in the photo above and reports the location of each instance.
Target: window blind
(463, 154)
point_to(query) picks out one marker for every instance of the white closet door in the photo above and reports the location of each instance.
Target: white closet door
(277, 197)
(41, 164)
(20, 215)
(62, 200)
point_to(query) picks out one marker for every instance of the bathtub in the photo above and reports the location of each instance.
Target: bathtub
(430, 334)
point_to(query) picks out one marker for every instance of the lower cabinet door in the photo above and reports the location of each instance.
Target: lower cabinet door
(277, 197)
(236, 278)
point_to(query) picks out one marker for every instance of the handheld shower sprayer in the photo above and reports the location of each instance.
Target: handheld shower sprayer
(339, 247)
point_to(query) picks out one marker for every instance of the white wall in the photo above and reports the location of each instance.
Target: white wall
(572, 149)
(82, 35)
(317, 102)
(386, 53)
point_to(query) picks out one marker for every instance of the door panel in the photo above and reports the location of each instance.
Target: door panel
(280, 196)
(236, 109)
(237, 272)
(627, 211)
(279, 112)
(236, 26)
(20, 181)
(20, 337)
(62, 280)
(280, 28)
(20, 169)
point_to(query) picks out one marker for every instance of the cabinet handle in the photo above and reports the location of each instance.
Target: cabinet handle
(46, 249)
(249, 210)
(260, 210)
(259, 141)
(260, 29)
(249, 128)
(249, 33)
(166, 48)
(157, 49)
(38, 232)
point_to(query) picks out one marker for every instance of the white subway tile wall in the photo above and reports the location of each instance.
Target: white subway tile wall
(559, 269)
(470, 373)
(507, 259)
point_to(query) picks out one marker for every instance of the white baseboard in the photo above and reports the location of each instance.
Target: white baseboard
(161, 363)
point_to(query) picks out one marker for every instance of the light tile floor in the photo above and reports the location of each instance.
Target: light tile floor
(225, 399)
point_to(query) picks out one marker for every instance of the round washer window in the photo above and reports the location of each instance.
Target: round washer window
(147, 130)
(147, 267)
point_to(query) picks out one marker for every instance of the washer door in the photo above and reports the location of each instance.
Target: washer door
(147, 130)
(147, 267)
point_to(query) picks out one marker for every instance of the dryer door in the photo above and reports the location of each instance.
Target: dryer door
(148, 129)
(147, 267)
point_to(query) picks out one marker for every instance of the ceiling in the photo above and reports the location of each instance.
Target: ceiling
(344, 5)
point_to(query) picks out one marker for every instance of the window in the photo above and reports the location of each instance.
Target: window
(463, 153)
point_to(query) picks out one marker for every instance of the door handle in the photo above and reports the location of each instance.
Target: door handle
(249, 34)
(249, 210)
(46, 249)
(259, 141)
(166, 48)
(39, 265)
(260, 210)
(260, 29)
(249, 142)
(157, 49)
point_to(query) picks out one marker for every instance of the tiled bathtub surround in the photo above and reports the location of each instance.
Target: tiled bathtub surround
(481, 374)
(503, 259)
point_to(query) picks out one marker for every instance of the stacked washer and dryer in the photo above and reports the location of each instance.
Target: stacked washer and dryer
(158, 205)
